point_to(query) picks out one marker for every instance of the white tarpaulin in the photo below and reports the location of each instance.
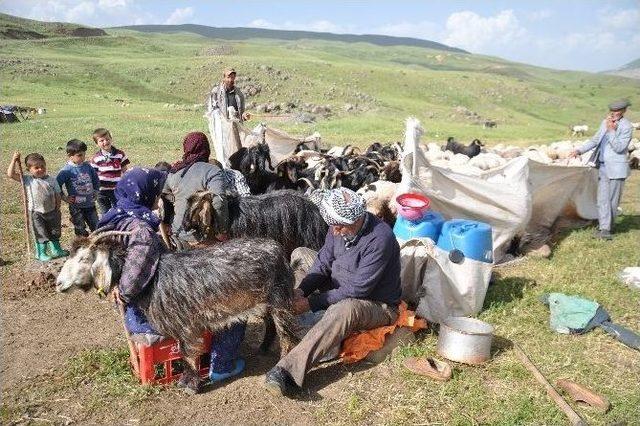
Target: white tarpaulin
(518, 196)
(439, 287)
(230, 135)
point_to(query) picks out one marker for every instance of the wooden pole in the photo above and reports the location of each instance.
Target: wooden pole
(574, 417)
(25, 210)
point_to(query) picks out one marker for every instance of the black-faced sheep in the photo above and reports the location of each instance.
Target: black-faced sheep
(196, 290)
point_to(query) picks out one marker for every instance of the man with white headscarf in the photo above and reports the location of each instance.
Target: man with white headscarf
(355, 278)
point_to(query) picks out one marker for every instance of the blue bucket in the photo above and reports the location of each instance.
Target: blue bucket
(472, 238)
(428, 226)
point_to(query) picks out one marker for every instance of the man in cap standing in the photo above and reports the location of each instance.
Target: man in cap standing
(355, 278)
(611, 144)
(226, 96)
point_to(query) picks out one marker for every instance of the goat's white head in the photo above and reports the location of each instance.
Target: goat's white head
(89, 265)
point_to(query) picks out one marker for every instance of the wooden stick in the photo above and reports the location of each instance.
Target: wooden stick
(574, 417)
(25, 209)
(133, 352)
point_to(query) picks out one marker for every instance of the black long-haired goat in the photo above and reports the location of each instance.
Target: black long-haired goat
(196, 290)
(470, 151)
(285, 216)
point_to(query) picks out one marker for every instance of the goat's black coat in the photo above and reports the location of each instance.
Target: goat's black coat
(473, 149)
(285, 216)
(209, 288)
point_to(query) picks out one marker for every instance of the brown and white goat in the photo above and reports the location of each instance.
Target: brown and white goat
(196, 290)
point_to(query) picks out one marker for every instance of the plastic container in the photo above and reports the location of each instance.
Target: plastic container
(427, 226)
(161, 362)
(472, 238)
(412, 206)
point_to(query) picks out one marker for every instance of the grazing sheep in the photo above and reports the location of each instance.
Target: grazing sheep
(287, 217)
(196, 290)
(579, 130)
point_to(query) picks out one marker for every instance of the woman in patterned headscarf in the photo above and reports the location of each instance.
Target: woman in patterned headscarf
(136, 195)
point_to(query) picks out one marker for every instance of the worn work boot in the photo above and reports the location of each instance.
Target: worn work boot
(279, 382)
(41, 252)
(55, 251)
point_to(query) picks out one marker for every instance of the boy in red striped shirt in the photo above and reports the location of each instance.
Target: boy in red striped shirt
(110, 163)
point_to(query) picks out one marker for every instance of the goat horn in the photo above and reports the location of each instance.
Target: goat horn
(98, 237)
(307, 181)
(100, 230)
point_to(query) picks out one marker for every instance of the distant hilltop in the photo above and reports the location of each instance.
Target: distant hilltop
(242, 33)
(13, 27)
(630, 70)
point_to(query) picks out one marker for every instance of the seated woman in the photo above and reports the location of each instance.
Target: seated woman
(136, 195)
(195, 173)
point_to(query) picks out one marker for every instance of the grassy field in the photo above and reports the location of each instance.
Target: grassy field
(79, 81)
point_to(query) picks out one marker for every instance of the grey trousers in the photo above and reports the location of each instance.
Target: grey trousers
(339, 321)
(46, 226)
(609, 195)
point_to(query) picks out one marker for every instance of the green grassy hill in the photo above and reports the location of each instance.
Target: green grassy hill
(78, 79)
(12, 27)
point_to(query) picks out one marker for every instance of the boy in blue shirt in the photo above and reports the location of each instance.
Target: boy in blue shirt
(81, 183)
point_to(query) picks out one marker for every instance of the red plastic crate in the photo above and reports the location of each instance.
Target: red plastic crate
(159, 363)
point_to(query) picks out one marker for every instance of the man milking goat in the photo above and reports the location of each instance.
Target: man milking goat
(355, 277)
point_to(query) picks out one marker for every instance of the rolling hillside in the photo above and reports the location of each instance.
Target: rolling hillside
(630, 70)
(144, 86)
(12, 27)
(259, 33)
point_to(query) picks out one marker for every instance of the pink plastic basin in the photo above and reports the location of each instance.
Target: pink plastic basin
(412, 206)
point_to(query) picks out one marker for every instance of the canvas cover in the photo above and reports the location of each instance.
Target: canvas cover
(230, 135)
(438, 287)
(522, 195)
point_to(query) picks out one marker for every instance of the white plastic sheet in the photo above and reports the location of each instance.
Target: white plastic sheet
(228, 136)
(439, 287)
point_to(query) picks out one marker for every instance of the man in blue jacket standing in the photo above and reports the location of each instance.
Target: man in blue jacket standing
(611, 144)
(355, 278)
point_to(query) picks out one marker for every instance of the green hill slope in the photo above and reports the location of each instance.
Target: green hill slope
(255, 33)
(12, 27)
(144, 86)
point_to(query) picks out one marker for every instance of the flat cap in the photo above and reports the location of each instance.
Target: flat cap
(228, 71)
(619, 104)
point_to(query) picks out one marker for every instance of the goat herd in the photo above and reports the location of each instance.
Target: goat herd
(205, 289)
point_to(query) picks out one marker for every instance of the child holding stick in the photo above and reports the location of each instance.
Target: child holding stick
(43, 200)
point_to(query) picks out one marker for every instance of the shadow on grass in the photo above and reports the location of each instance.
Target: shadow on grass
(505, 290)
(623, 224)
(626, 222)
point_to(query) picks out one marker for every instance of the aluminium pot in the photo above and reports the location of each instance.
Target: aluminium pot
(466, 340)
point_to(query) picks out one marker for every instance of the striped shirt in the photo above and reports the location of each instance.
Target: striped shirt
(109, 167)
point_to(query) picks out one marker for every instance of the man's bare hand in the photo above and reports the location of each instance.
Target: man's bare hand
(246, 116)
(301, 305)
(574, 153)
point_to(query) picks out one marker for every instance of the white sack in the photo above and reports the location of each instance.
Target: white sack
(438, 286)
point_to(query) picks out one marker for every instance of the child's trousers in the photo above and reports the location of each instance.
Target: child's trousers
(81, 217)
(106, 200)
(46, 226)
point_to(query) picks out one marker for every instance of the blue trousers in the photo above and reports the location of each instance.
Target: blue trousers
(225, 347)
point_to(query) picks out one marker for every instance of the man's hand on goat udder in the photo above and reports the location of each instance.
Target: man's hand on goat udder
(300, 305)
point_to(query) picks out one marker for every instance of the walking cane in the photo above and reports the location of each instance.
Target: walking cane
(25, 210)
